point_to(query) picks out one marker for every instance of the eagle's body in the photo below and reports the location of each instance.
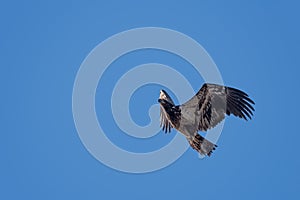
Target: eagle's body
(202, 112)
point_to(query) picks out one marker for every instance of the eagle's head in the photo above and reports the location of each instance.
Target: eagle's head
(164, 98)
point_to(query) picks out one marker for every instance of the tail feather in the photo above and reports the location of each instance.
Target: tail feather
(202, 145)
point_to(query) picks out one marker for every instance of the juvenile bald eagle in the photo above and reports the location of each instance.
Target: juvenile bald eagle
(202, 112)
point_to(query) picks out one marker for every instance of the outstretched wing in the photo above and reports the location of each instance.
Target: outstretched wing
(164, 120)
(212, 102)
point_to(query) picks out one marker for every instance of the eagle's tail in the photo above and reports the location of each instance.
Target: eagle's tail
(202, 145)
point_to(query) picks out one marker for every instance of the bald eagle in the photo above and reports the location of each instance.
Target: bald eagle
(202, 112)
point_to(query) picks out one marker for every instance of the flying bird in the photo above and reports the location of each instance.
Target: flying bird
(202, 112)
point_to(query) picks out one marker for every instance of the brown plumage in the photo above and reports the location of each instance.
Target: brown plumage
(202, 112)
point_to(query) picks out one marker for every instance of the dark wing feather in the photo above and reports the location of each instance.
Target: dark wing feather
(214, 101)
(164, 121)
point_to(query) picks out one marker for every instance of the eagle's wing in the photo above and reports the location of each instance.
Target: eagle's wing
(164, 120)
(212, 102)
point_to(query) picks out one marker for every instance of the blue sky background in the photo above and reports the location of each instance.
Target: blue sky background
(255, 44)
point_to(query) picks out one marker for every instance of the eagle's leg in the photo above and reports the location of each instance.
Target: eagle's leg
(202, 145)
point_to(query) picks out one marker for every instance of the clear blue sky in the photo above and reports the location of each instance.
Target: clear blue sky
(255, 45)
